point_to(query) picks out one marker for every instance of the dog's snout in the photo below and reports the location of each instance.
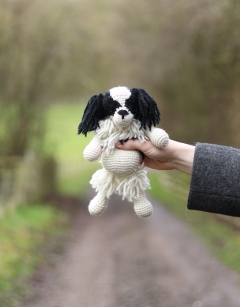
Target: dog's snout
(123, 113)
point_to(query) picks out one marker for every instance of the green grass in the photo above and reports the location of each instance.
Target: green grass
(221, 238)
(61, 137)
(23, 233)
(75, 185)
(62, 142)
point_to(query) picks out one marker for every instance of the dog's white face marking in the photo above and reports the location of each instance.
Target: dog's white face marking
(120, 94)
(122, 116)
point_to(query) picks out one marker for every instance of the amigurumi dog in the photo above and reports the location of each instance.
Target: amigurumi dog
(118, 115)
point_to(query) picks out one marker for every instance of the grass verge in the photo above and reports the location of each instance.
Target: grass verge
(23, 233)
(62, 141)
(221, 238)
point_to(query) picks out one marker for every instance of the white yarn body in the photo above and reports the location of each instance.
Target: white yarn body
(130, 187)
(109, 134)
(121, 173)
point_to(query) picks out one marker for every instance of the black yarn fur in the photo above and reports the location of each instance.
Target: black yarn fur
(143, 107)
(140, 104)
(109, 105)
(93, 113)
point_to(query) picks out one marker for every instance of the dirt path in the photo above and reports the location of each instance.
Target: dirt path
(120, 260)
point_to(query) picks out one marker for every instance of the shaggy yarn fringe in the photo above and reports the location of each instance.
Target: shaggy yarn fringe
(111, 134)
(130, 187)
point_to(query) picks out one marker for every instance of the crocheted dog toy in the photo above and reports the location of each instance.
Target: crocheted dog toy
(118, 115)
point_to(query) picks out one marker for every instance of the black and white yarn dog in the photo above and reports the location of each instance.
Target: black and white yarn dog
(121, 114)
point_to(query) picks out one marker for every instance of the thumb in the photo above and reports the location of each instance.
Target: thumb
(129, 145)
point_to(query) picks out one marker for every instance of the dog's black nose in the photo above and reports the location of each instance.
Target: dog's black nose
(123, 113)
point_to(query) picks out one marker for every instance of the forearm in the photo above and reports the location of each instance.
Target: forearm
(183, 155)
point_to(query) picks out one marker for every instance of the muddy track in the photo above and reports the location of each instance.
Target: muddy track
(120, 260)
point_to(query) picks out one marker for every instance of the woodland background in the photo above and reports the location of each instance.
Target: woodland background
(186, 54)
(56, 54)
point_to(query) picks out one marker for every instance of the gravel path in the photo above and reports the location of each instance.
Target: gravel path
(120, 260)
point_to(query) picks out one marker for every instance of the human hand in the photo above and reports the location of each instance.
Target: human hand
(175, 155)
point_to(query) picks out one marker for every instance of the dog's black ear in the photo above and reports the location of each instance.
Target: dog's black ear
(93, 113)
(143, 107)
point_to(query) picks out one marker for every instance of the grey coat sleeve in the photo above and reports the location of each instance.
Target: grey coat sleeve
(215, 180)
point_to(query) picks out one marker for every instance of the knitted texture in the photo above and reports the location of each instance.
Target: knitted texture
(120, 94)
(158, 137)
(93, 150)
(110, 134)
(98, 204)
(142, 206)
(122, 162)
(130, 187)
(143, 107)
(118, 115)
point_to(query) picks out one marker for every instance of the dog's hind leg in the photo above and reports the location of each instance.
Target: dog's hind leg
(98, 204)
(142, 206)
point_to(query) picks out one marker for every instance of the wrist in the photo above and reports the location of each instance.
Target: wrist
(183, 157)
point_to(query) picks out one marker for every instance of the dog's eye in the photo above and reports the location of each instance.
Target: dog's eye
(110, 105)
(131, 104)
(111, 108)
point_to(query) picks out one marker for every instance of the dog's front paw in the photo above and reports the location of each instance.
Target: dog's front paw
(159, 137)
(91, 153)
(164, 140)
